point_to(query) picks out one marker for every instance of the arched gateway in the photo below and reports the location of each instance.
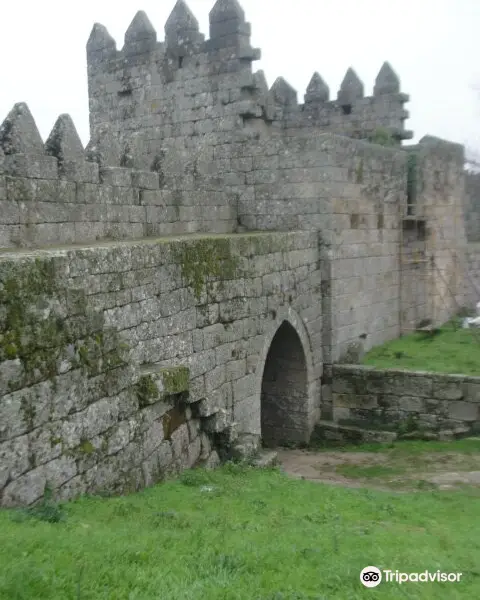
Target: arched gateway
(285, 404)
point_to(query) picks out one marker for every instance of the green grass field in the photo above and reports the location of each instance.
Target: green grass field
(451, 350)
(242, 534)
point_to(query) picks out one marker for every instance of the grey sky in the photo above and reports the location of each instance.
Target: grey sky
(432, 44)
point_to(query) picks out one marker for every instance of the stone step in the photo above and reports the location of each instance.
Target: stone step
(265, 459)
(333, 433)
(328, 431)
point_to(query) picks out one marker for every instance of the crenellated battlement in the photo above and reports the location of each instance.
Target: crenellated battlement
(186, 138)
(57, 192)
(351, 113)
(187, 86)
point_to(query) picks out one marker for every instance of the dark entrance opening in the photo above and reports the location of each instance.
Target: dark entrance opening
(284, 400)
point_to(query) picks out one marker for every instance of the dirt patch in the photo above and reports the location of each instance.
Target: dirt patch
(384, 470)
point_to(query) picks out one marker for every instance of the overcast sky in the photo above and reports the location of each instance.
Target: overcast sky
(432, 44)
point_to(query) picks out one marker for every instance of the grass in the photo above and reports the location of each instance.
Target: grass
(241, 534)
(451, 350)
(412, 448)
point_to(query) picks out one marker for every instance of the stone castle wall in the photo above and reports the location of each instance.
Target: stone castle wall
(124, 362)
(188, 90)
(472, 227)
(194, 273)
(472, 206)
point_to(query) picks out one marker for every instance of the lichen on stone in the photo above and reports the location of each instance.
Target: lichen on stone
(86, 447)
(175, 380)
(206, 260)
(147, 391)
(31, 329)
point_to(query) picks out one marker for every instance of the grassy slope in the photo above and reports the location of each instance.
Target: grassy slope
(257, 536)
(452, 350)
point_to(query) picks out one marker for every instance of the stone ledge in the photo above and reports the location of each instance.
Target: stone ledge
(157, 383)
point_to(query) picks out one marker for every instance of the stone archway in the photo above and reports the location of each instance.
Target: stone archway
(284, 392)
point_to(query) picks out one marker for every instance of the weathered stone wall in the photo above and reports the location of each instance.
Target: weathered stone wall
(433, 249)
(472, 229)
(472, 275)
(361, 245)
(122, 362)
(352, 114)
(186, 90)
(472, 206)
(405, 401)
(350, 192)
(443, 189)
(51, 194)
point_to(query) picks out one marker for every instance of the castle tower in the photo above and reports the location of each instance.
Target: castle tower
(169, 93)
(188, 92)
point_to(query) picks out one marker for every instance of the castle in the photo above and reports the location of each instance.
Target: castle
(184, 284)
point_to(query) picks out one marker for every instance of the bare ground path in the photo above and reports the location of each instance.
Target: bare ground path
(388, 469)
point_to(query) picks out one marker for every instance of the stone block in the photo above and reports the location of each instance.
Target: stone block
(180, 443)
(215, 378)
(115, 176)
(446, 390)
(193, 452)
(408, 384)
(145, 180)
(244, 388)
(464, 411)
(355, 401)
(30, 487)
(31, 166)
(471, 391)
(15, 459)
(411, 404)
(216, 423)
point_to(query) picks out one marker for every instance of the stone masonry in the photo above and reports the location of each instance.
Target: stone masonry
(179, 290)
(411, 404)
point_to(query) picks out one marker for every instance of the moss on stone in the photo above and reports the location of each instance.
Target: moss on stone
(359, 171)
(205, 260)
(147, 391)
(95, 353)
(32, 331)
(23, 334)
(383, 137)
(175, 380)
(86, 447)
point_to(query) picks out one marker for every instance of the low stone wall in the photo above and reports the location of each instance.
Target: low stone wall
(406, 402)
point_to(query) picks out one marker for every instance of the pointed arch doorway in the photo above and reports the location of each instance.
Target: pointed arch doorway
(284, 392)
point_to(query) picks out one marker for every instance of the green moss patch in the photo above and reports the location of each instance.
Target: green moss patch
(37, 326)
(205, 260)
(147, 391)
(175, 380)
